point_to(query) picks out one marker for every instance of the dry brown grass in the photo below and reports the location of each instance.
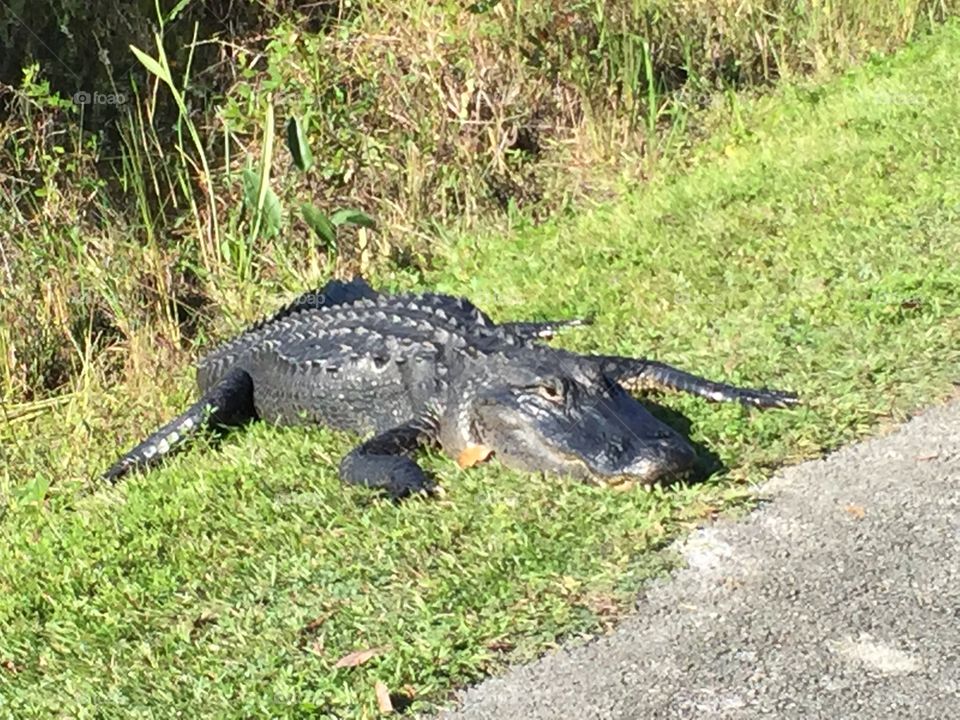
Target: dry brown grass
(427, 115)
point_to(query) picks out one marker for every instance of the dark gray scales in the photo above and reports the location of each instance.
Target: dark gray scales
(430, 369)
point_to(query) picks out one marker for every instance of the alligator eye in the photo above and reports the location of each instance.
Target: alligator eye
(553, 393)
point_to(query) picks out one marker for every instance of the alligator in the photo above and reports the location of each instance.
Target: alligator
(416, 370)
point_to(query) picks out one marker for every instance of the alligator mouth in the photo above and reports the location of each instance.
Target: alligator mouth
(652, 472)
(614, 442)
(625, 481)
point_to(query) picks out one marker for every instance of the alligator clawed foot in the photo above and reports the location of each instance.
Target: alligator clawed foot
(396, 476)
(409, 483)
(426, 492)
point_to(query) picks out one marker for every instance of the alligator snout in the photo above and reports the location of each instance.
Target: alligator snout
(606, 438)
(622, 442)
(656, 460)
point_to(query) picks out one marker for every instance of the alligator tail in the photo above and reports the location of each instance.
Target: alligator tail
(229, 402)
(545, 330)
(638, 374)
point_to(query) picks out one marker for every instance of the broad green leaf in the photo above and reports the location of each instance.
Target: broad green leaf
(268, 218)
(353, 217)
(297, 142)
(272, 214)
(319, 223)
(251, 188)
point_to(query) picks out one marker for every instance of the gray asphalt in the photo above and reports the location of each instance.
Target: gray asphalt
(839, 598)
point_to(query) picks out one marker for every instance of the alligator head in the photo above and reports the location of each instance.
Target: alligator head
(548, 410)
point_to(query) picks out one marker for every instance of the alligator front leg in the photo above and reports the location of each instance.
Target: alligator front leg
(382, 462)
(228, 403)
(638, 374)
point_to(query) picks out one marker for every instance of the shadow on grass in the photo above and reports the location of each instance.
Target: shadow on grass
(708, 462)
(211, 438)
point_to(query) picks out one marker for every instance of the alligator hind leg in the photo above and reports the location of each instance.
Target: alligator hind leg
(228, 403)
(382, 462)
(639, 374)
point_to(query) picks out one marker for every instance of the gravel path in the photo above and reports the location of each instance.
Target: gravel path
(840, 598)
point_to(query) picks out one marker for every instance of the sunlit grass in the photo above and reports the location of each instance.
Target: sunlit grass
(818, 251)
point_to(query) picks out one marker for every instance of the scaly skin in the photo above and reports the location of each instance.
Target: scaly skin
(431, 369)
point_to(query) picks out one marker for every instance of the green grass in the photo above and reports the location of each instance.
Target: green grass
(816, 249)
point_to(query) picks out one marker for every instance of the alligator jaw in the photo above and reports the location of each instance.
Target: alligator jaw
(645, 471)
(648, 472)
(583, 427)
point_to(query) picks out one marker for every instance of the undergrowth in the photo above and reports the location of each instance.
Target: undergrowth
(125, 210)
